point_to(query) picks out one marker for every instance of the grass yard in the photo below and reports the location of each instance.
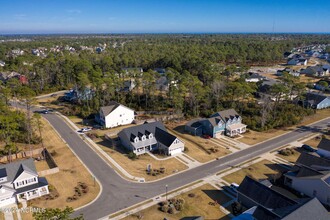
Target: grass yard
(254, 137)
(291, 158)
(41, 165)
(261, 170)
(198, 147)
(138, 166)
(71, 172)
(199, 205)
(313, 142)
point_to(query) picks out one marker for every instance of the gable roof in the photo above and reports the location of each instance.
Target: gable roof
(304, 171)
(137, 130)
(227, 114)
(324, 144)
(194, 123)
(164, 137)
(16, 168)
(313, 160)
(315, 98)
(264, 195)
(214, 121)
(312, 209)
(111, 107)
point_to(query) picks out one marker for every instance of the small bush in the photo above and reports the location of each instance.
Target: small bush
(191, 195)
(164, 208)
(170, 210)
(132, 156)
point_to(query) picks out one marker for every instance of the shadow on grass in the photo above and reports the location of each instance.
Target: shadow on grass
(217, 195)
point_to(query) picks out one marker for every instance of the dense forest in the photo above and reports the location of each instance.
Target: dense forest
(207, 72)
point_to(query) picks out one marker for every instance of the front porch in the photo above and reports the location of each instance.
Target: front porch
(235, 129)
(34, 193)
(145, 149)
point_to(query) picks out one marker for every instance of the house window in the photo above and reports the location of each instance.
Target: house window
(150, 136)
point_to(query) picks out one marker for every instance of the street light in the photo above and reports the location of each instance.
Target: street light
(166, 192)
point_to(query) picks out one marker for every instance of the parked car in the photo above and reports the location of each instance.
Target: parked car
(206, 136)
(84, 129)
(308, 148)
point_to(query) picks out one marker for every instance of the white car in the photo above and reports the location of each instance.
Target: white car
(84, 130)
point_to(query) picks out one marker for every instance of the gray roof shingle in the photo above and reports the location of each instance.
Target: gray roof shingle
(324, 144)
(15, 168)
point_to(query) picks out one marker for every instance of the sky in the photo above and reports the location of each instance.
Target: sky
(164, 16)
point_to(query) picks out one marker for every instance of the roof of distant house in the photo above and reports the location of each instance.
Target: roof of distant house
(227, 114)
(194, 123)
(110, 108)
(315, 98)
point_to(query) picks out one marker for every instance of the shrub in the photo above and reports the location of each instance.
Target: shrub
(179, 206)
(191, 195)
(132, 156)
(164, 208)
(170, 210)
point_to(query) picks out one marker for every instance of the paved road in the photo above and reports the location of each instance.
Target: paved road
(119, 193)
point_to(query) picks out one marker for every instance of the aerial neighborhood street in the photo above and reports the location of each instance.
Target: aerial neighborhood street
(165, 110)
(118, 193)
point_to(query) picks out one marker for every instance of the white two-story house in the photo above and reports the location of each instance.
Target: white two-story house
(19, 181)
(115, 115)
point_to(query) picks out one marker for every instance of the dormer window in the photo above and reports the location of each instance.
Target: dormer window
(136, 139)
(150, 136)
(143, 138)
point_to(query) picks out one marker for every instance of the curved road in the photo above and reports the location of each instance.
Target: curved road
(119, 193)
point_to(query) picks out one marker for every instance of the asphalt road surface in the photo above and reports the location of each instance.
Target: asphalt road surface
(119, 193)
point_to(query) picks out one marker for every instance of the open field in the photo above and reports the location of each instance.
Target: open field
(261, 170)
(254, 137)
(71, 172)
(138, 166)
(199, 205)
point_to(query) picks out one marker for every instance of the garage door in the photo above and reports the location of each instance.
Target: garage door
(176, 151)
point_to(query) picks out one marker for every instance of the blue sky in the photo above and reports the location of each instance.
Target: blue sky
(163, 16)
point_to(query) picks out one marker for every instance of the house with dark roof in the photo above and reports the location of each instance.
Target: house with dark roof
(323, 149)
(232, 122)
(316, 100)
(318, 70)
(287, 71)
(19, 181)
(313, 182)
(149, 137)
(227, 122)
(313, 160)
(297, 62)
(115, 114)
(264, 203)
(254, 77)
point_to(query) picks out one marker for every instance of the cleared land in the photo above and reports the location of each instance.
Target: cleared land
(199, 205)
(71, 172)
(262, 170)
